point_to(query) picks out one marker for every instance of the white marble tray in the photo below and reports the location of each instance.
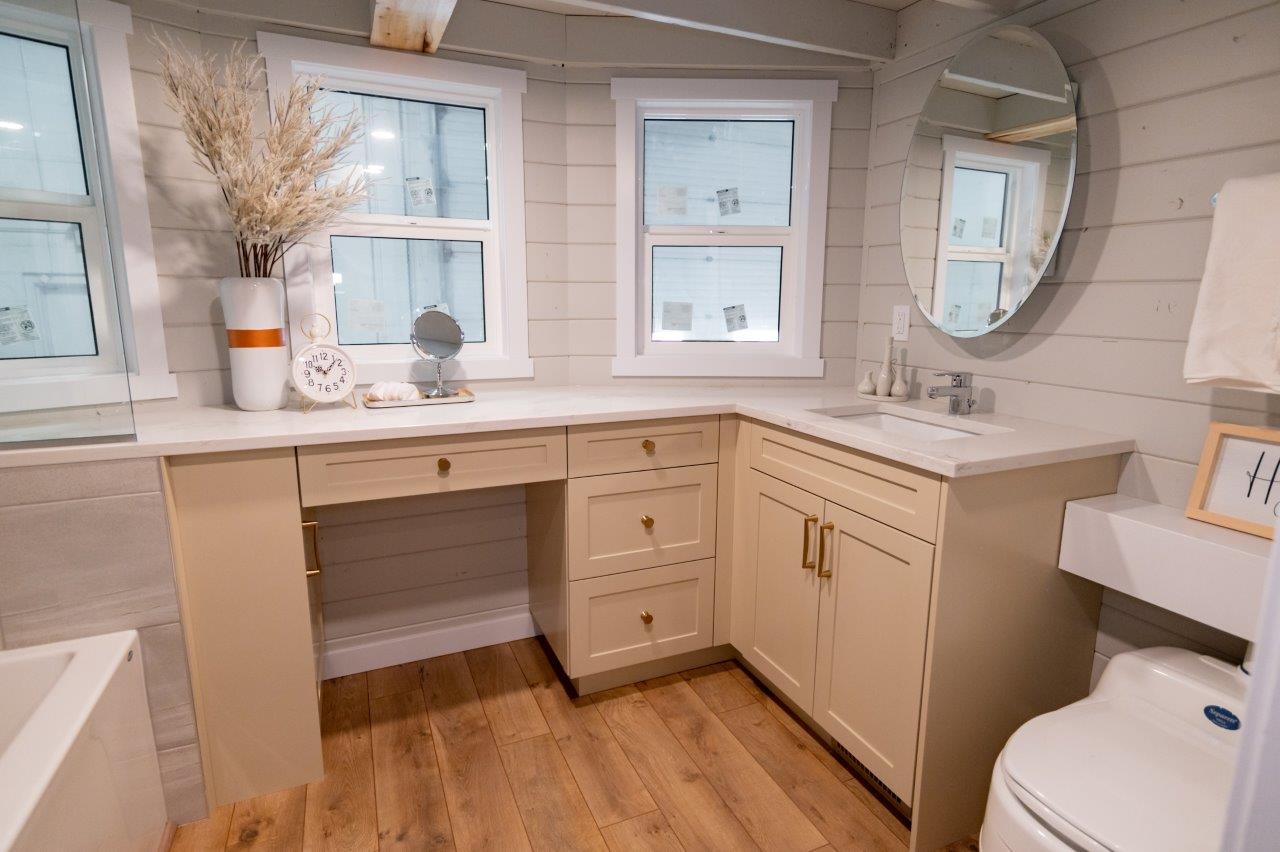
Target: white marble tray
(463, 395)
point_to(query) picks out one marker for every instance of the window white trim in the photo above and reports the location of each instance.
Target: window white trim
(106, 27)
(112, 154)
(1028, 170)
(797, 353)
(505, 353)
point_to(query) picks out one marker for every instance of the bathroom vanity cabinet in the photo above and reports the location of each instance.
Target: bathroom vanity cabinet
(914, 619)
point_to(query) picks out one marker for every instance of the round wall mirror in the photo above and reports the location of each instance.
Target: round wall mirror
(987, 181)
(437, 337)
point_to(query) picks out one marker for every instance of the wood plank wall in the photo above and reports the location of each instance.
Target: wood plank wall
(192, 237)
(1176, 96)
(421, 561)
(568, 137)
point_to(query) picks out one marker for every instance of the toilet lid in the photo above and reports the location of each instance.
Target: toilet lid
(1123, 773)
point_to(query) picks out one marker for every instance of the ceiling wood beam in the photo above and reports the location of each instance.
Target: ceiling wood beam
(410, 24)
(840, 27)
(1035, 130)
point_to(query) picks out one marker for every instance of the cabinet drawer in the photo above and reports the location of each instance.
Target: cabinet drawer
(640, 616)
(627, 521)
(619, 448)
(896, 495)
(376, 470)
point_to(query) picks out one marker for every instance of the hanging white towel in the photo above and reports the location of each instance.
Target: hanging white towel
(1235, 333)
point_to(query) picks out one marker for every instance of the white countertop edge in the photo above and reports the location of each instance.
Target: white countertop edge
(167, 429)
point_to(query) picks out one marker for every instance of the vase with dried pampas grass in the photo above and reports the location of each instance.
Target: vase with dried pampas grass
(279, 184)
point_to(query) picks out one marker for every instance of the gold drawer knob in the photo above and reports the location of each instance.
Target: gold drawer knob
(647, 520)
(648, 446)
(646, 616)
(444, 465)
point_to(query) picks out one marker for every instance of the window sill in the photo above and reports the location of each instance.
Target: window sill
(461, 369)
(720, 366)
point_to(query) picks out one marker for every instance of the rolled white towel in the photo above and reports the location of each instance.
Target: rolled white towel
(389, 391)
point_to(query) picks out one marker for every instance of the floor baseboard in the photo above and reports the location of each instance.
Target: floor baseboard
(368, 651)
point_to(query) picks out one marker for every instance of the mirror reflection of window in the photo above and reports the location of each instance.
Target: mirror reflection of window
(989, 223)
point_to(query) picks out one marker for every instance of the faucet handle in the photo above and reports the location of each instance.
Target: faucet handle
(958, 380)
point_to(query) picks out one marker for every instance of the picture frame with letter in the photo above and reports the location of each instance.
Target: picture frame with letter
(1237, 484)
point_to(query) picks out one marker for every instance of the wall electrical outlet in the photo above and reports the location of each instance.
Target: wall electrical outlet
(901, 321)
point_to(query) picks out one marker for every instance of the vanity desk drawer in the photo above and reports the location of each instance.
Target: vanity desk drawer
(622, 447)
(378, 470)
(628, 521)
(896, 495)
(640, 616)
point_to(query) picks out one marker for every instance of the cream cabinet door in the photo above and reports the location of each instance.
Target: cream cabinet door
(779, 609)
(874, 614)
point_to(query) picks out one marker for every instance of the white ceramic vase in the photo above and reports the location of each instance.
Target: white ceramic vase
(254, 311)
(884, 381)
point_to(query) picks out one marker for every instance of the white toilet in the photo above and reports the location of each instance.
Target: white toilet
(1144, 763)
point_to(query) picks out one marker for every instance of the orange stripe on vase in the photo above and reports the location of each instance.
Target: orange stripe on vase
(254, 338)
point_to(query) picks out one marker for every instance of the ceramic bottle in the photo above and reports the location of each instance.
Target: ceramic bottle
(884, 381)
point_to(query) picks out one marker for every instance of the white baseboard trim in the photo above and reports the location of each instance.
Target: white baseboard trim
(397, 645)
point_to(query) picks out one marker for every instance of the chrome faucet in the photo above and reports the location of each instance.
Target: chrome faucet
(959, 392)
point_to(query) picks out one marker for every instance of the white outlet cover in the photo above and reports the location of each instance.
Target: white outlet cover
(901, 321)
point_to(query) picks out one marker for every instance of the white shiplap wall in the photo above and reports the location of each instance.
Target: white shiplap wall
(568, 192)
(1176, 96)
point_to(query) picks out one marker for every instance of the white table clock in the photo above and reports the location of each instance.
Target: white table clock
(323, 372)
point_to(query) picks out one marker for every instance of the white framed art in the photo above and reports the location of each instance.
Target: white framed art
(1238, 483)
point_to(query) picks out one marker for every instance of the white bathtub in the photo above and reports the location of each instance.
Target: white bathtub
(78, 763)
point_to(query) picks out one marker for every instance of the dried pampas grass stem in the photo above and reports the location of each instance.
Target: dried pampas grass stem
(279, 184)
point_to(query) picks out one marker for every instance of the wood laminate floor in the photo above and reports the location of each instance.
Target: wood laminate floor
(487, 750)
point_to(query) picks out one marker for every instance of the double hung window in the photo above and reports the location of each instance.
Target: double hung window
(988, 229)
(57, 304)
(443, 224)
(720, 257)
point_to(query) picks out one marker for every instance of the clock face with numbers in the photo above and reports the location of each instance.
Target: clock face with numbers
(324, 373)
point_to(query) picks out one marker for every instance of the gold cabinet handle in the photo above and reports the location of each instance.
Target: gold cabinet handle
(824, 570)
(648, 446)
(443, 465)
(805, 562)
(313, 527)
(646, 616)
(647, 521)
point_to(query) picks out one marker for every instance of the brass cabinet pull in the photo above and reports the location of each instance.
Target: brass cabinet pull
(647, 521)
(824, 570)
(646, 616)
(444, 465)
(313, 527)
(648, 446)
(805, 562)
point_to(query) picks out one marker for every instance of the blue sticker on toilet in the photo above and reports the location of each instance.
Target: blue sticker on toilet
(1222, 717)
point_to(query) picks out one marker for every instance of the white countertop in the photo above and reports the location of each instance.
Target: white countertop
(1005, 443)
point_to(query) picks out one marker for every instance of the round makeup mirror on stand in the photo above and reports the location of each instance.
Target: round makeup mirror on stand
(438, 338)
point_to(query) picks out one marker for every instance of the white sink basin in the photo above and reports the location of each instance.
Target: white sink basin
(903, 427)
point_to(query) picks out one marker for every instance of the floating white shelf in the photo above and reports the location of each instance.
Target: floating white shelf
(1156, 554)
